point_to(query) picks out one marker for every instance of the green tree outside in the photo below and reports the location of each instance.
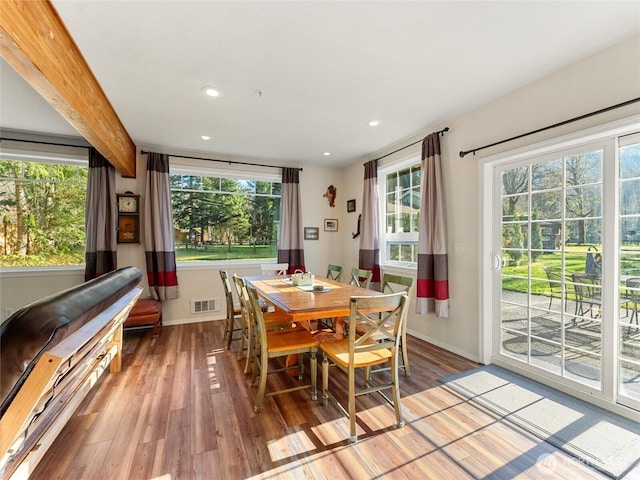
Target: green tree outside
(211, 212)
(43, 209)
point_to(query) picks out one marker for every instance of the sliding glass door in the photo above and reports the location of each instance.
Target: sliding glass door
(566, 269)
(628, 361)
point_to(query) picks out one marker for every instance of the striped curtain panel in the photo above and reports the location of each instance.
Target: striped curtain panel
(433, 277)
(370, 225)
(100, 217)
(158, 230)
(290, 246)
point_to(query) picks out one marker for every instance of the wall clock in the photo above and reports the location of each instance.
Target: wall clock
(128, 203)
(128, 217)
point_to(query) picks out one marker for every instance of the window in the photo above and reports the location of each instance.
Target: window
(400, 204)
(42, 204)
(220, 216)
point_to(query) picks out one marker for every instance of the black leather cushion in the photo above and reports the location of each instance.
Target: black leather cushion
(41, 325)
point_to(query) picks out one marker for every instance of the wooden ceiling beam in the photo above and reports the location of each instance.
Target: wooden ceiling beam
(35, 42)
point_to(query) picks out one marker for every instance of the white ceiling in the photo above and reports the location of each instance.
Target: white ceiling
(326, 68)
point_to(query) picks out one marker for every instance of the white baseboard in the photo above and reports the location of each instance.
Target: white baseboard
(194, 319)
(446, 346)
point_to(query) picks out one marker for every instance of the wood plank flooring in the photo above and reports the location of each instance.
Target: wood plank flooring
(182, 409)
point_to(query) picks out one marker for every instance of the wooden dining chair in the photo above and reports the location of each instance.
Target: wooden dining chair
(378, 345)
(274, 269)
(334, 272)
(279, 343)
(393, 284)
(233, 311)
(325, 325)
(360, 277)
(273, 320)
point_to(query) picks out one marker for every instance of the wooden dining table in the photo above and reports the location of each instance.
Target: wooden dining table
(304, 304)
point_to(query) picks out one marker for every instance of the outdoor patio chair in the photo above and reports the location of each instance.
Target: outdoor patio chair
(633, 292)
(555, 278)
(588, 294)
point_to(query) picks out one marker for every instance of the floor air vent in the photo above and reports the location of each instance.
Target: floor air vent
(202, 306)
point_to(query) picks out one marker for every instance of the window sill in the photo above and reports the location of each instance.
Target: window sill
(406, 269)
(186, 266)
(39, 271)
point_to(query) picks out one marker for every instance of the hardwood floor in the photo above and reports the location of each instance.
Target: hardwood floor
(182, 409)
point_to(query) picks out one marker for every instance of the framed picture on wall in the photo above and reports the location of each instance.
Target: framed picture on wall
(330, 225)
(311, 233)
(351, 205)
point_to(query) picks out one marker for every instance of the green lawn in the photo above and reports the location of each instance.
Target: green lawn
(223, 252)
(574, 263)
(21, 260)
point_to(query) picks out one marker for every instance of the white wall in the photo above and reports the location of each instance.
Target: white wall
(610, 77)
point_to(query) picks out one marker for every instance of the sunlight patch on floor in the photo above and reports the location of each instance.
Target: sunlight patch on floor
(289, 445)
(212, 361)
(333, 431)
(290, 470)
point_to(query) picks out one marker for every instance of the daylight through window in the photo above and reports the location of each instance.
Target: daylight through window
(401, 207)
(42, 202)
(218, 218)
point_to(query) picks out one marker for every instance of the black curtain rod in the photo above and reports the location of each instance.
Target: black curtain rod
(225, 161)
(57, 144)
(586, 115)
(441, 132)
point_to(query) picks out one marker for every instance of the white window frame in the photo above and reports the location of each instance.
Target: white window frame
(385, 237)
(188, 166)
(49, 153)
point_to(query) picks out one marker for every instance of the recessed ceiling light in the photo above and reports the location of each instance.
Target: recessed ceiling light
(374, 123)
(211, 92)
(326, 154)
(205, 137)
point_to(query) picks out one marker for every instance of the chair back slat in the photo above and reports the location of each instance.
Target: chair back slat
(240, 290)
(396, 283)
(361, 277)
(274, 269)
(255, 316)
(377, 314)
(227, 293)
(334, 272)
